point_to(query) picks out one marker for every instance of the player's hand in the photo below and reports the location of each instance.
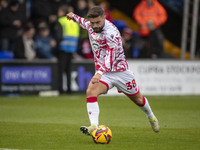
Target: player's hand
(69, 15)
(96, 78)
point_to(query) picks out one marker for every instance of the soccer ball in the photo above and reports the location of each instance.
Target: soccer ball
(102, 135)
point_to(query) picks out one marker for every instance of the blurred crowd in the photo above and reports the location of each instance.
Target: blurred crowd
(39, 29)
(35, 29)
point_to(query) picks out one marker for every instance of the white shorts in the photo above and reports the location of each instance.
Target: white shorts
(124, 81)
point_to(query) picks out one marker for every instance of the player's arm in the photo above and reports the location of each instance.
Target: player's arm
(84, 23)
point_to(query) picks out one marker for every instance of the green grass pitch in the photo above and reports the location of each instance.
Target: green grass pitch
(43, 123)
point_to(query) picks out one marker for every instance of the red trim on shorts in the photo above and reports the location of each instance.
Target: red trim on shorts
(105, 84)
(130, 94)
(91, 99)
(144, 101)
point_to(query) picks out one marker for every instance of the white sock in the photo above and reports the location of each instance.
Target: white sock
(93, 110)
(147, 109)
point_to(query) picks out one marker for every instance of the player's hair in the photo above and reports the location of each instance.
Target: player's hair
(95, 11)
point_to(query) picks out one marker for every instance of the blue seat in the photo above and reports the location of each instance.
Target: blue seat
(6, 55)
(120, 24)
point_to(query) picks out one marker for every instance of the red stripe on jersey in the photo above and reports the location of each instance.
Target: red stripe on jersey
(91, 99)
(79, 20)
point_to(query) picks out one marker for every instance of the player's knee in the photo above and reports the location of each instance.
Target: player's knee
(139, 101)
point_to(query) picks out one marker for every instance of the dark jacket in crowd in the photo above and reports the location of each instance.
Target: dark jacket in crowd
(41, 10)
(56, 4)
(7, 29)
(155, 43)
(19, 51)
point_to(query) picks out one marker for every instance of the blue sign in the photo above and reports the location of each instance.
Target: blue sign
(84, 78)
(26, 75)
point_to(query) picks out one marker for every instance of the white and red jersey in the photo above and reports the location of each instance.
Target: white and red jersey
(106, 46)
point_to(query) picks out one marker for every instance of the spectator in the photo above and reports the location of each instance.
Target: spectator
(55, 4)
(127, 38)
(42, 10)
(3, 4)
(67, 34)
(11, 21)
(155, 46)
(150, 15)
(133, 44)
(82, 8)
(44, 42)
(28, 5)
(149, 10)
(47, 10)
(156, 40)
(86, 49)
(107, 12)
(25, 47)
(91, 3)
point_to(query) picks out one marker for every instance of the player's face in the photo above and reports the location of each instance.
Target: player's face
(97, 23)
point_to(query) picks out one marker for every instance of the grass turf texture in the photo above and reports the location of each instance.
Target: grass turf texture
(42, 123)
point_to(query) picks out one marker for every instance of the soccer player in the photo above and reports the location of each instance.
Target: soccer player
(111, 67)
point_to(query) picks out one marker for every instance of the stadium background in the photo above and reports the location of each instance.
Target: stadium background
(120, 12)
(50, 121)
(172, 28)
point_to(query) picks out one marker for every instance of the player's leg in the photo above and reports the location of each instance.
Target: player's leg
(92, 92)
(96, 89)
(143, 103)
(125, 82)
